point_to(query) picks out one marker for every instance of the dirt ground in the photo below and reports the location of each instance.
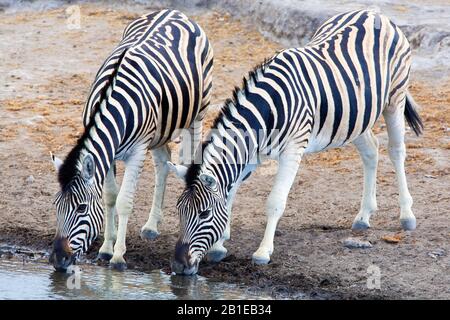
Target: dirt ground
(45, 73)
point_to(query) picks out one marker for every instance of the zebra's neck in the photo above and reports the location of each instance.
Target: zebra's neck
(245, 128)
(101, 139)
(98, 145)
(89, 143)
(231, 147)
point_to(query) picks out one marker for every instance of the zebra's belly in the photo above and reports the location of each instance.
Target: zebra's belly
(317, 144)
(324, 140)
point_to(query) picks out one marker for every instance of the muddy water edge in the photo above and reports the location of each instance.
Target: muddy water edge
(25, 274)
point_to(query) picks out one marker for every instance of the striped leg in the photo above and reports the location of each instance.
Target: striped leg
(367, 146)
(124, 203)
(395, 124)
(288, 165)
(160, 157)
(110, 192)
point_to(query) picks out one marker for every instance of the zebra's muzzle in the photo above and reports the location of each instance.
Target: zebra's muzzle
(62, 256)
(181, 264)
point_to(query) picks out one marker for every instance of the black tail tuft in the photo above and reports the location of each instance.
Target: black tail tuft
(411, 115)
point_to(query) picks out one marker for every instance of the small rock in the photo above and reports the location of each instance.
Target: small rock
(353, 243)
(436, 253)
(29, 180)
(324, 282)
(392, 239)
(278, 233)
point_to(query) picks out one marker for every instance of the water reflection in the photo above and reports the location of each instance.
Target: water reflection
(36, 280)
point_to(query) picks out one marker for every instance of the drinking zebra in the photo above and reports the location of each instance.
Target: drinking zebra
(302, 100)
(156, 82)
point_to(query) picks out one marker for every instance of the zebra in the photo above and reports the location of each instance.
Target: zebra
(302, 100)
(156, 83)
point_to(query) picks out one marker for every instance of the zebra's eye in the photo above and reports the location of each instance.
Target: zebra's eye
(205, 214)
(82, 208)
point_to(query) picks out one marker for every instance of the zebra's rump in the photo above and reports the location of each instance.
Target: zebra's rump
(153, 81)
(359, 64)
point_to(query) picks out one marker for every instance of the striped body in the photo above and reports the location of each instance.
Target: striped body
(302, 100)
(156, 82)
(329, 92)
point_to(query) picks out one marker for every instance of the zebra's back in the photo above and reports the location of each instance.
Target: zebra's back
(155, 81)
(332, 90)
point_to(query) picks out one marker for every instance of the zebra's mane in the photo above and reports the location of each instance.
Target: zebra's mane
(225, 112)
(69, 169)
(247, 81)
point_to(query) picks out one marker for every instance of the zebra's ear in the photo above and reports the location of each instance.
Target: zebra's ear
(57, 162)
(178, 169)
(208, 180)
(88, 169)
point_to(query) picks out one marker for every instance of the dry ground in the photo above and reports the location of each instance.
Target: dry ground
(45, 73)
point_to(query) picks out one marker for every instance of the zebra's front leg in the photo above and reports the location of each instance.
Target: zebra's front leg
(110, 192)
(287, 169)
(160, 157)
(124, 204)
(367, 146)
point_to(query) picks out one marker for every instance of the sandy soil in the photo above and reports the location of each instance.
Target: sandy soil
(45, 74)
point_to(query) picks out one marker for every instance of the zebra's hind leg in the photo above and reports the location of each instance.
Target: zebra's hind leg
(367, 146)
(110, 192)
(288, 165)
(124, 203)
(395, 124)
(161, 156)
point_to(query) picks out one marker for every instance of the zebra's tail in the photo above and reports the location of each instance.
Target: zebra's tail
(411, 115)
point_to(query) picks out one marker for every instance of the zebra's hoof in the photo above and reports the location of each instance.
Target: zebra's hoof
(260, 259)
(119, 266)
(408, 224)
(360, 225)
(103, 256)
(149, 234)
(216, 255)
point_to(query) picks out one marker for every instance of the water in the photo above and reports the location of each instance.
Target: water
(35, 279)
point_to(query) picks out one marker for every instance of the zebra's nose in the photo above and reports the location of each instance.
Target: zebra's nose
(182, 254)
(62, 255)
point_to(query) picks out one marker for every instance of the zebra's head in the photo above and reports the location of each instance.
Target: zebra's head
(203, 218)
(79, 213)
